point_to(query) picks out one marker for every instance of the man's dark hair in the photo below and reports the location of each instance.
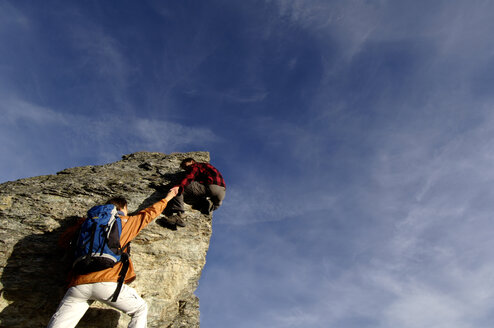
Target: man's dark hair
(185, 161)
(119, 202)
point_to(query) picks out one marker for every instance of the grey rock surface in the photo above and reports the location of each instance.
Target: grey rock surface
(35, 211)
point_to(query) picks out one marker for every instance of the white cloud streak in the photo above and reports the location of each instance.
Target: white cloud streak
(436, 263)
(105, 137)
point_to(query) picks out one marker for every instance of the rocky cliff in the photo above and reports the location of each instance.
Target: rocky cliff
(34, 212)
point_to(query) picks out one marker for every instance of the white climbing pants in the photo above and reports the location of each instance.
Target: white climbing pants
(78, 298)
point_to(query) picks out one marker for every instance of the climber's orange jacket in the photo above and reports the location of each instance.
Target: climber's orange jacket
(131, 226)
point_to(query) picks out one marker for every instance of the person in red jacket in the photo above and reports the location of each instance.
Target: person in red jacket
(203, 186)
(101, 285)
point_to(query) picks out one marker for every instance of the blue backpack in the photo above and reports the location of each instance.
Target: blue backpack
(98, 244)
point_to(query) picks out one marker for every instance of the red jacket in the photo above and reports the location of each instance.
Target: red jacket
(203, 173)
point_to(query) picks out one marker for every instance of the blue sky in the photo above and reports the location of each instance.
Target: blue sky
(355, 138)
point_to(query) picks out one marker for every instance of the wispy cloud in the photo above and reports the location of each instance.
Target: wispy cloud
(169, 135)
(435, 258)
(100, 56)
(10, 16)
(105, 137)
(19, 111)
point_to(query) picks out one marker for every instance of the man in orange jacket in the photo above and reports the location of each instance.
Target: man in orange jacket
(101, 285)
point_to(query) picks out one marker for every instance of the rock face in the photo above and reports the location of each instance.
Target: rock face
(168, 261)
